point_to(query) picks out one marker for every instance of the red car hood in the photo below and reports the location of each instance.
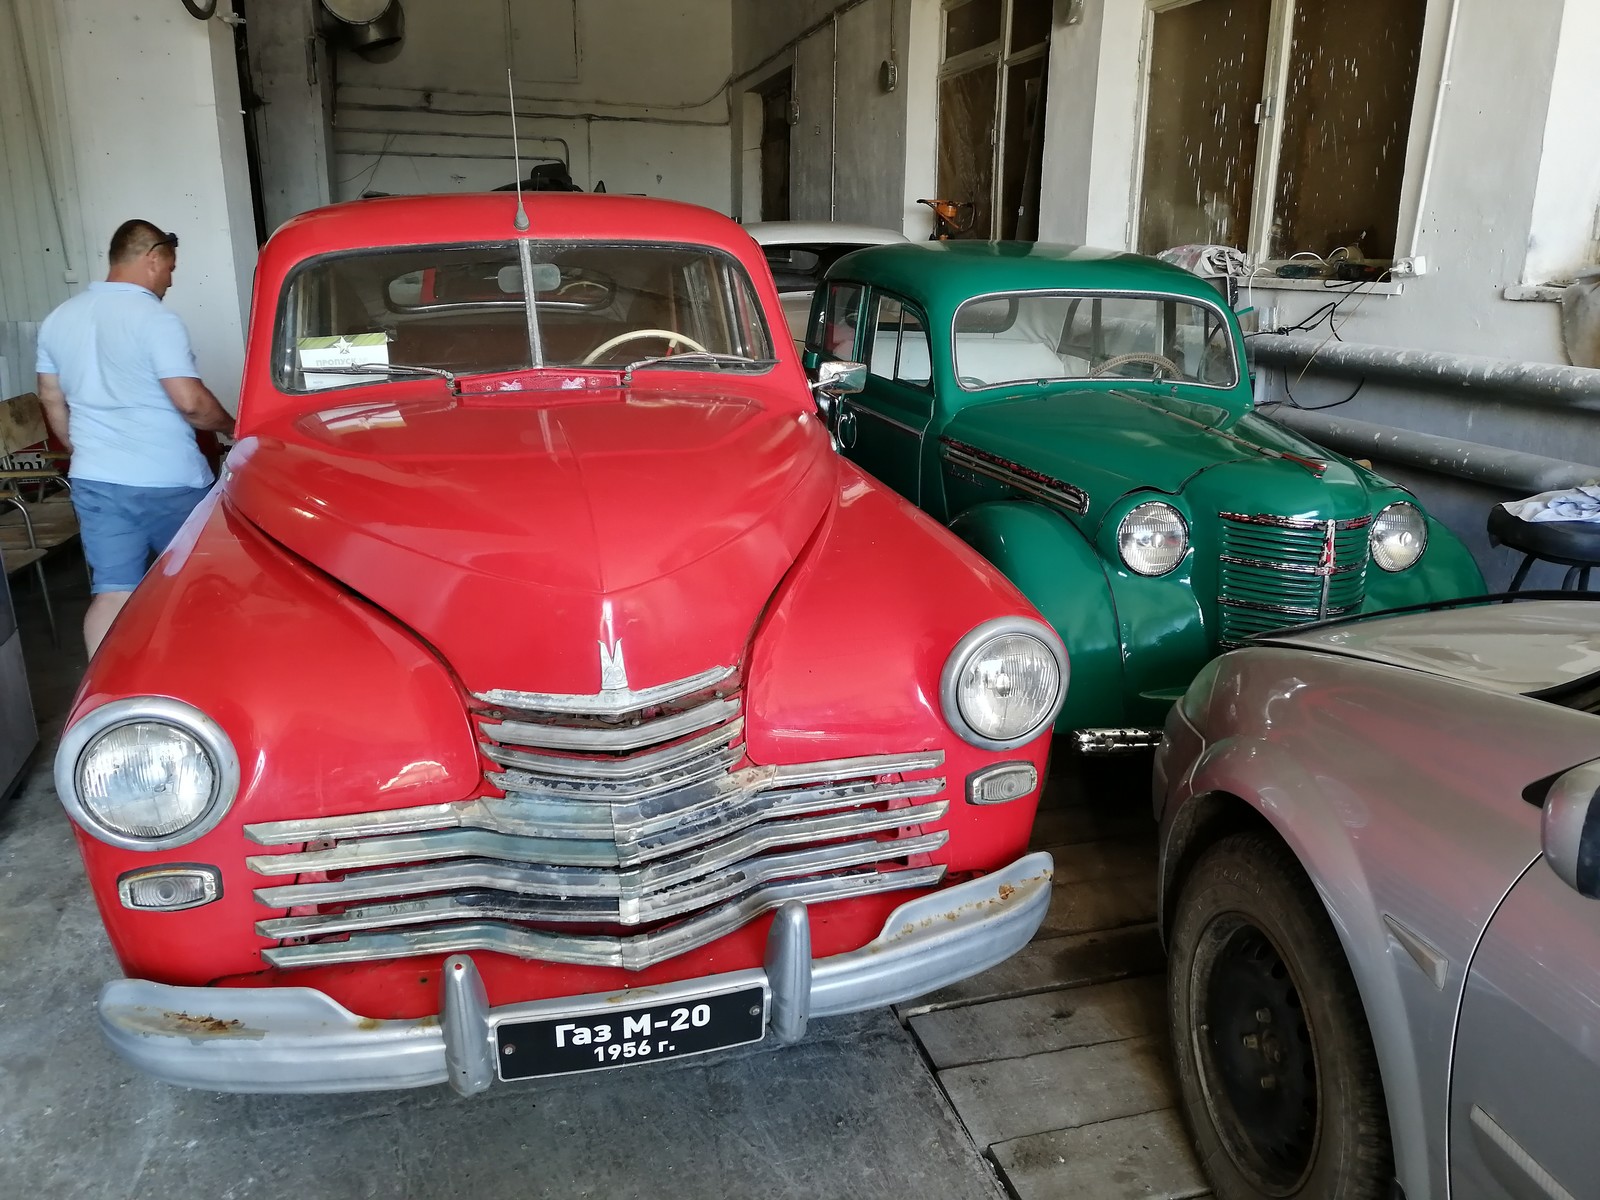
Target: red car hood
(519, 536)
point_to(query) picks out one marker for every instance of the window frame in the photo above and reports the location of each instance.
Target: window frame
(1269, 144)
(1004, 58)
(877, 296)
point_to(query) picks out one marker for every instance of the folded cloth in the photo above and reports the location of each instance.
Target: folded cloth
(1569, 504)
(1207, 260)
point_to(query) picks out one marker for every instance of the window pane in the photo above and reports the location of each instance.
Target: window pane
(836, 333)
(1024, 151)
(885, 347)
(1030, 23)
(1208, 62)
(976, 23)
(913, 365)
(1041, 335)
(1346, 114)
(966, 154)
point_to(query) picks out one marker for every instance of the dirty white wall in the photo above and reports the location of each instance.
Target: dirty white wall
(140, 109)
(631, 94)
(848, 150)
(1510, 197)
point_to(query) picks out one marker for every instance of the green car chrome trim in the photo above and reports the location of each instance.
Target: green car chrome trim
(1279, 528)
(1012, 474)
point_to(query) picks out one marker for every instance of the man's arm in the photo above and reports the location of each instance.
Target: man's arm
(54, 402)
(197, 404)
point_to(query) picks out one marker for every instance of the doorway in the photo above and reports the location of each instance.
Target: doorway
(776, 101)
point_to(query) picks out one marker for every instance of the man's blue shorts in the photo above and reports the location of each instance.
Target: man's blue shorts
(122, 527)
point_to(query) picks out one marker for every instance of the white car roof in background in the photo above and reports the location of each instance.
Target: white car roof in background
(808, 233)
(1524, 647)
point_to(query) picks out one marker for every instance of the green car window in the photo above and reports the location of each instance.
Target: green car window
(1062, 335)
(833, 330)
(899, 344)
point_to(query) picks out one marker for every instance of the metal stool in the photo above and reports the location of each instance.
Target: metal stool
(1573, 544)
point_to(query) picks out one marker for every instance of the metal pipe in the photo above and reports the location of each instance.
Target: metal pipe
(433, 110)
(1512, 470)
(833, 129)
(1433, 129)
(1549, 383)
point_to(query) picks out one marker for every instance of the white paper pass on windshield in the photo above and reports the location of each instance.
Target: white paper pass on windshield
(342, 351)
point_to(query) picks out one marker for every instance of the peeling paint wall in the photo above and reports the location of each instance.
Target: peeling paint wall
(634, 98)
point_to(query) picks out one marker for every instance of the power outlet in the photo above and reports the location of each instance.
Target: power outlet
(1405, 268)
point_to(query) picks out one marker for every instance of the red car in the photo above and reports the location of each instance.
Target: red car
(538, 691)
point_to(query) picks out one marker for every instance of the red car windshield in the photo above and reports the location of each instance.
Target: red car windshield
(466, 310)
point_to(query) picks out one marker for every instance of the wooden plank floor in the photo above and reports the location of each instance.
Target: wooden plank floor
(1055, 1061)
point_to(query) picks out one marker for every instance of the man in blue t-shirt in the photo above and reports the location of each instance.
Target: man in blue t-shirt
(120, 390)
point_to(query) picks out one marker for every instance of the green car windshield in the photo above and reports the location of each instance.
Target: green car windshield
(1037, 336)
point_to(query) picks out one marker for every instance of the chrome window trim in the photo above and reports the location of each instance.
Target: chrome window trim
(949, 702)
(1080, 294)
(1033, 483)
(161, 710)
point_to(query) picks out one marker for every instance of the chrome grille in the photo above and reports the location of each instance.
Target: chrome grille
(1280, 571)
(624, 812)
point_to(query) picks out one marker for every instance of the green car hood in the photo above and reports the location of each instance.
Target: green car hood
(1109, 443)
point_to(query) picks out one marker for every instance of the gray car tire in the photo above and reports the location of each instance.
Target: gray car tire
(1279, 1080)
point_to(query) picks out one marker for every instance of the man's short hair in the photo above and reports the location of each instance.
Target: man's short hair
(134, 238)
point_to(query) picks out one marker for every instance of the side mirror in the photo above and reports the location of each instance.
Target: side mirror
(835, 378)
(1571, 829)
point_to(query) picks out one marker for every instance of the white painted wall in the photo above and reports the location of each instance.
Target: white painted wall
(1565, 234)
(647, 111)
(143, 115)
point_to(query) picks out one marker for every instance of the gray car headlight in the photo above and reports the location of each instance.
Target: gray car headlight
(1153, 538)
(146, 773)
(1004, 682)
(1398, 537)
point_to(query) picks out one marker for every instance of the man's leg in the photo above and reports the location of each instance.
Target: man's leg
(103, 610)
(115, 546)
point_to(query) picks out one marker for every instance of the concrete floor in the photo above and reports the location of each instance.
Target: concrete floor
(1044, 1077)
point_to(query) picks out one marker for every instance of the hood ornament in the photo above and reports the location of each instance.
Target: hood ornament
(613, 671)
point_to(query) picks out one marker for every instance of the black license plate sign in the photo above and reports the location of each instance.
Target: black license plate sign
(624, 1036)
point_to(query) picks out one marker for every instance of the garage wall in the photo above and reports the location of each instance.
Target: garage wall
(138, 105)
(848, 150)
(626, 93)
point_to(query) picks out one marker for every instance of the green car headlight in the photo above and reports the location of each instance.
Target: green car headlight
(1398, 537)
(1153, 538)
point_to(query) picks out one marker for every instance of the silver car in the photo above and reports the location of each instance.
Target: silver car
(1380, 892)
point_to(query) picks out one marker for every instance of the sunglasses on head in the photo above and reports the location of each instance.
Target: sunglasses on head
(170, 240)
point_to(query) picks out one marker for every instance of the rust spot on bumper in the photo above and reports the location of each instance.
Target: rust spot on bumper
(188, 1023)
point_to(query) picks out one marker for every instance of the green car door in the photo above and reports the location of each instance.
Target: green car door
(882, 427)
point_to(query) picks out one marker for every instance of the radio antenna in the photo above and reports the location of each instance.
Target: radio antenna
(516, 155)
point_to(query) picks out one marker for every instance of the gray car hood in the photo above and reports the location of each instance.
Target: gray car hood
(1516, 648)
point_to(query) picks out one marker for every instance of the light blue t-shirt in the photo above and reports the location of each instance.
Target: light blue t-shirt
(112, 345)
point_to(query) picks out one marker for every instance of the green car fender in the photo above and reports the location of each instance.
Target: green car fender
(1446, 568)
(1061, 573)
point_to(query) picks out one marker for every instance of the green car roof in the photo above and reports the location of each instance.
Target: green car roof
(943, 274)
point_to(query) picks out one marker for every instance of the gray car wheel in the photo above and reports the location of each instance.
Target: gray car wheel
(1275, 1063)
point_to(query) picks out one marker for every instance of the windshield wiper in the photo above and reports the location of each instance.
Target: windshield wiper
(391, 370)
(696, 358)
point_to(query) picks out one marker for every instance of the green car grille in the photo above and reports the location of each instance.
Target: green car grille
(1278, 571)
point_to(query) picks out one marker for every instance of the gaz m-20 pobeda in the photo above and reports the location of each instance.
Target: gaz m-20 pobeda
(538, 691)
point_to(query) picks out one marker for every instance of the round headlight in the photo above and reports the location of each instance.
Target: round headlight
(1153, 538)
(1398, 536)
(146, 773)
(1004, 682)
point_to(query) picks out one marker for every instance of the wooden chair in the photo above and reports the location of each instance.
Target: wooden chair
(28, 465)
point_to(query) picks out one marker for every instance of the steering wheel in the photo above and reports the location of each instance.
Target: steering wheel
(633, 335)
(1159, 361)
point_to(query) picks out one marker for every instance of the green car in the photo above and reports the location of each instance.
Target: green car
(1084, 419)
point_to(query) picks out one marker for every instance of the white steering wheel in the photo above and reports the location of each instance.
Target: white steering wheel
(633, 335)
